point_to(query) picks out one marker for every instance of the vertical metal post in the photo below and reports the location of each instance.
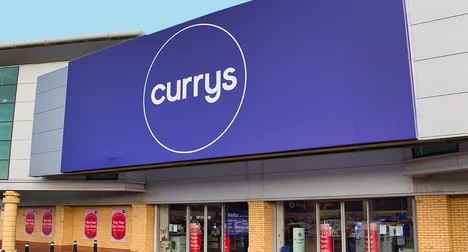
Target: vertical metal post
(26, 247)
(75, 246)
(343, 225)
(95, 246)
(52, 247)
(187, 229)
(317, 224)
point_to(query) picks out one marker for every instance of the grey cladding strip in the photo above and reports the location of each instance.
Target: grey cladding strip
(49, 115)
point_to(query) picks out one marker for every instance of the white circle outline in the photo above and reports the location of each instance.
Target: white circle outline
(240, 104)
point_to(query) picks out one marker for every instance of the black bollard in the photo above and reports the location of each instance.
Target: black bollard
(75, 246)
(52, 247)
(26, 247)
(95, 246)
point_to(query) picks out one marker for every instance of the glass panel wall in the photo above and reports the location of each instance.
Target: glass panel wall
(393, 220)
(236, 227)
(8, 81)
(355, 221)
(374, 225)
(330, 225)
(199, 228)
(300, 217)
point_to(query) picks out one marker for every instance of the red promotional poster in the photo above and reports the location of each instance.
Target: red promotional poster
(119, 225)
(374, 238)
(90, 224)
(325, 238)
(195, 237)
(29, 222)
(46, 228)
(227, 241)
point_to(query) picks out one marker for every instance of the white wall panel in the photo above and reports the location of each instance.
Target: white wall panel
(29, 73)
(26, 92)
(442, 76)
(440, 38)
(22, 130)
(23, 118)
(430, 10)
(20, 150)
(24, 111)
(439, 44)
(443, 117)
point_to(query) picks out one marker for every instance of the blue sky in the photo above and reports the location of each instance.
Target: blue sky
(39, 19)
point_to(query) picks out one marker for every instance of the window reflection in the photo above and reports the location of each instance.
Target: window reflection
(300, 217)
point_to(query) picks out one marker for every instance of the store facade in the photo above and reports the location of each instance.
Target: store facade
(228, 134)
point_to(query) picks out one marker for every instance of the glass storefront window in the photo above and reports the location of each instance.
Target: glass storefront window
(236, 227)
(172, 228)
(355, 223)
(201, 228)
(393, 221)
(330, 218)
(384, 224)
(197, 227)
(214, 228)
(300, 216)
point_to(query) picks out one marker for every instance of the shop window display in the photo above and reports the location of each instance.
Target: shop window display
(300, 216)
(374, 225)
(200, 228)
(236, 227)
(393, 218)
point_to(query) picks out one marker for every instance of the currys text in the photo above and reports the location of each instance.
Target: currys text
(224, 81)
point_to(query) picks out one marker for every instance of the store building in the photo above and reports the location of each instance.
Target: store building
(269, 126)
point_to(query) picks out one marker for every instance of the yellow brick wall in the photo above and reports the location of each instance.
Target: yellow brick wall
(260, 226)
(20, 225)
(104, 226)
(68, 226)
(459, 223)
(433, 223)
(143, 228)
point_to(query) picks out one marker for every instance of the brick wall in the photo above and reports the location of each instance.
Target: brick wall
(68, 226)
(433, 223)
(459, 223)
(260, 226)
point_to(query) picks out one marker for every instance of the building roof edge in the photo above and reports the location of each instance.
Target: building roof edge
(71, 39)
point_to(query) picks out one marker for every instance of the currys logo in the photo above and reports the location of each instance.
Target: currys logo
(194, 88)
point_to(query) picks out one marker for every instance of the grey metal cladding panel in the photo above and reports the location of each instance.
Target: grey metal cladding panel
(45, 164)
(232, 188)
(345, 182)
(49, 120)
(50, 100)
(52, 80)
(47, 142)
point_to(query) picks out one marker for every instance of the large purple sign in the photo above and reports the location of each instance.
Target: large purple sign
(259, 78)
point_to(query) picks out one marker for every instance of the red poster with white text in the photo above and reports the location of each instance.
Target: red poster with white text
(29, 222)
(227, 241)
(119, 225)
(325, 238)
(46, 228)
(372, 244)
(195, 241)
(90, 224)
